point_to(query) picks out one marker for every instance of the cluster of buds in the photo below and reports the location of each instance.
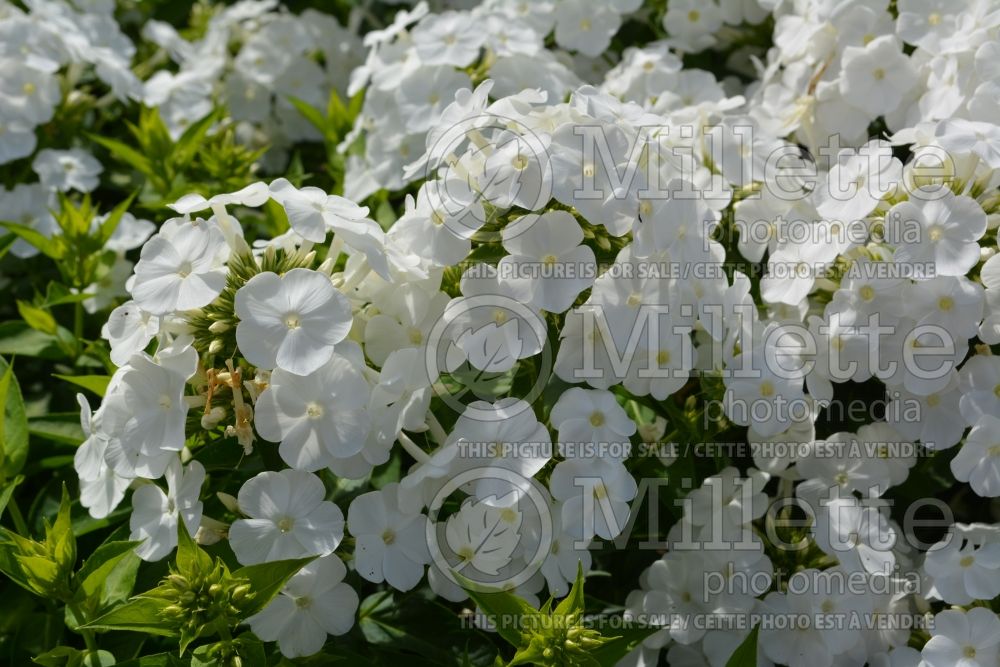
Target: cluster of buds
(202, 601)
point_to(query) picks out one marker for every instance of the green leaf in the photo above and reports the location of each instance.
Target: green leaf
(616, 648)
(266, 580)
(191, 141)
(109, 573)
(573, 604)
(51, 247)
(745, 654)
(156, 660)
(311, 114)
(140, 614)
(190, 557)
(95, 383)
(37, 318)
(17, 338)
(63, 428)
(59, 538)
(125, 153)
(13, 424)
(503, 609)
(7, 491)
(60, 656)
(111, 222)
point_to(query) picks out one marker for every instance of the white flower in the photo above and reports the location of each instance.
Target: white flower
(979, 382)
(547, 261)
(941, 231)
(963, 639)
(291, 321)
(595, 494)
(449, 38)
(315, 416)
(877, 77)
(857, 535)
(314, 603)
(129, 329)
(390, 539)
(152, 397)
(155, 514)
(585, 26)
(590, 416)
(67, 170)
(312, 212)
(964, 569)
(288, 518)
(978, 462)
(181, 269)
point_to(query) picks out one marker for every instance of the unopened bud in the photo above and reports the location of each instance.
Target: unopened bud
(215, 346)
(219, 327)
(212, 418)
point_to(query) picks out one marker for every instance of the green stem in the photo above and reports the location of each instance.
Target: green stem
(88, 635)
(78, 326)
(18, 518)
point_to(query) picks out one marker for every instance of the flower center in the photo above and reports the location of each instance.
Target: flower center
(946, 303)
(437, 218)
(933, 400)
(827, 606)
(292, 321)
(663, 357)
(29, 88)
(499, 316)
(165, 402)
(694, 16)
(934, 233)
(519, 162)
(585, 25)
(996, 391)
(600, 491)
(994, 450)
(596, 418)
(967, 561)
(934, 19)
(969, 652)
(286, 524)
(867, 293)
(314, 410)
(878, 73)
(841, 478)
(766, 389)
(549, 260)
(415, 336)
(184, 270)
(303, 602)
(388, 537)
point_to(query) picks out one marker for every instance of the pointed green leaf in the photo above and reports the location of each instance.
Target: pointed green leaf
(37, 318)
(311, 114)
(50, 247)
(110, 223)
(109, 571)
(59, 538)
(125, 153)
(7, 491)
(95, 383)
(616, 648)
(266, 580)
(190, 557)
(745, 654)
(504, 609)
(140, 614)
(573, 604)
(13, 424)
